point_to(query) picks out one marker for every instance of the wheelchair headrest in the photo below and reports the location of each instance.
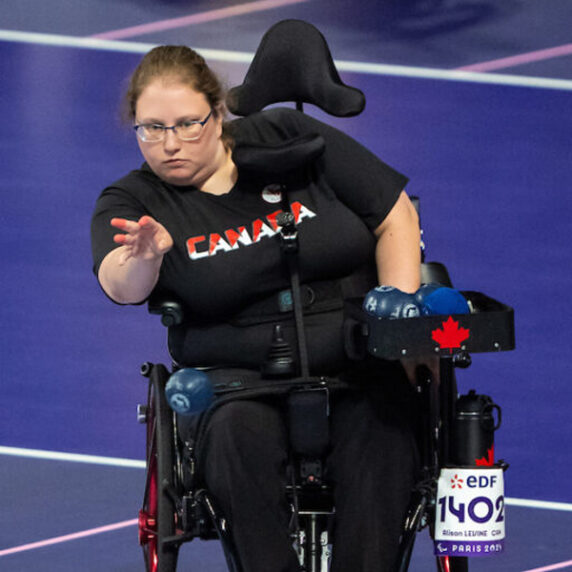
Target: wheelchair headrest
(293, 63)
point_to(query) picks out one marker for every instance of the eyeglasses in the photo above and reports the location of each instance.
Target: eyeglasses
(184, 130)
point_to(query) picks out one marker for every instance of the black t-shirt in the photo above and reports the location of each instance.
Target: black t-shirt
(226, 254)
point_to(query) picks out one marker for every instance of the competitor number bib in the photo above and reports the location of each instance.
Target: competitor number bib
(469, 515)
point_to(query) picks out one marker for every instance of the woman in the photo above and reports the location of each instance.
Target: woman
(196, 224)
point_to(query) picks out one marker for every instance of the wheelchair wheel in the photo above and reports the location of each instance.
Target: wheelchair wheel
(452, 564)
(157, 518)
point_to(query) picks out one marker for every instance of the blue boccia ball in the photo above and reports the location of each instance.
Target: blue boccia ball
(189, 391)
(437, 300)
(424, 291)
(390, 302)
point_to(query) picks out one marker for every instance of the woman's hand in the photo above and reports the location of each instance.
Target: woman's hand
(145, 239)
(129, 273)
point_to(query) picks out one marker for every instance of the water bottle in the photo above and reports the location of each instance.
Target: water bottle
(473, 430)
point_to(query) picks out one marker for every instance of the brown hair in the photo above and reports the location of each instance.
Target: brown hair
(180, 63)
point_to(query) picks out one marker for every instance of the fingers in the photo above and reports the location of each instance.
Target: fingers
(120, 238)
(131, 228)
(143, 238)
(162, 239)
(147, 221)
(144, 223)
(128, 239)
(124, 224)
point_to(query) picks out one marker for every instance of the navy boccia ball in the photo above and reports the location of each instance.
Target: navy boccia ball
(390, 302)
(189, 391)
(436, 300)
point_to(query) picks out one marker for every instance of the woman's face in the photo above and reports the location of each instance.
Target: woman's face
(168, 102)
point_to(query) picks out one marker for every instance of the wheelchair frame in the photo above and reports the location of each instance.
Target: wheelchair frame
(173, 514)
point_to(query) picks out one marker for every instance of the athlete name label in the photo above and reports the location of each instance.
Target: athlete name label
(469, 515)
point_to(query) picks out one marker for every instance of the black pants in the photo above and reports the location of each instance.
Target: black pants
(371, 464)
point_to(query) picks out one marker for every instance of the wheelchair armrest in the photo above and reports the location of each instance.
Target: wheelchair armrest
(168, 307)
(435, 272)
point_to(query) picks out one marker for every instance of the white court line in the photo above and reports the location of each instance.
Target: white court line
(454, 75)
(72, 457)
(198, 18)
(557, 566)
(548, 505)
(521, 59)
(246, 57)
(68, 537)
(73, 42)
(136, 464)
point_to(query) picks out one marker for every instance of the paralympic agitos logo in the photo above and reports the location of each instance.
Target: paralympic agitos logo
(233, 238)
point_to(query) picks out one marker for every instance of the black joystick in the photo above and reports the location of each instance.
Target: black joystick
(279, 361)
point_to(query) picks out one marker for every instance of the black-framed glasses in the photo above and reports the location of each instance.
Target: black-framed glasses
(184, 130)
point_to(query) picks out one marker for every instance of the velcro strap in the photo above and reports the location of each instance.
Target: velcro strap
(316, 297)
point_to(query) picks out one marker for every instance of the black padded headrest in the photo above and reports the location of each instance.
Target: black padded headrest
(293, 63)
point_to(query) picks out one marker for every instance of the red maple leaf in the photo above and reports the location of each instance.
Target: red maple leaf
(488, 461)
(451, 335)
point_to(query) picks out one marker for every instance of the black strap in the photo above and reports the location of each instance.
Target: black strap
(289, 243)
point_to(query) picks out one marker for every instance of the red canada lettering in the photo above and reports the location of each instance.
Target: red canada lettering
(301, 212)
(192, 248)
(271, 218)
(234, 238)
(216, 243)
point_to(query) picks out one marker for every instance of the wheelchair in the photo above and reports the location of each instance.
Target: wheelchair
(176, 509)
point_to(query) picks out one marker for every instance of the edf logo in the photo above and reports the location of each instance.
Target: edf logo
(481, 482)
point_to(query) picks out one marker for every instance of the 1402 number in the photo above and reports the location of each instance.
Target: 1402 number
(480, 509)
